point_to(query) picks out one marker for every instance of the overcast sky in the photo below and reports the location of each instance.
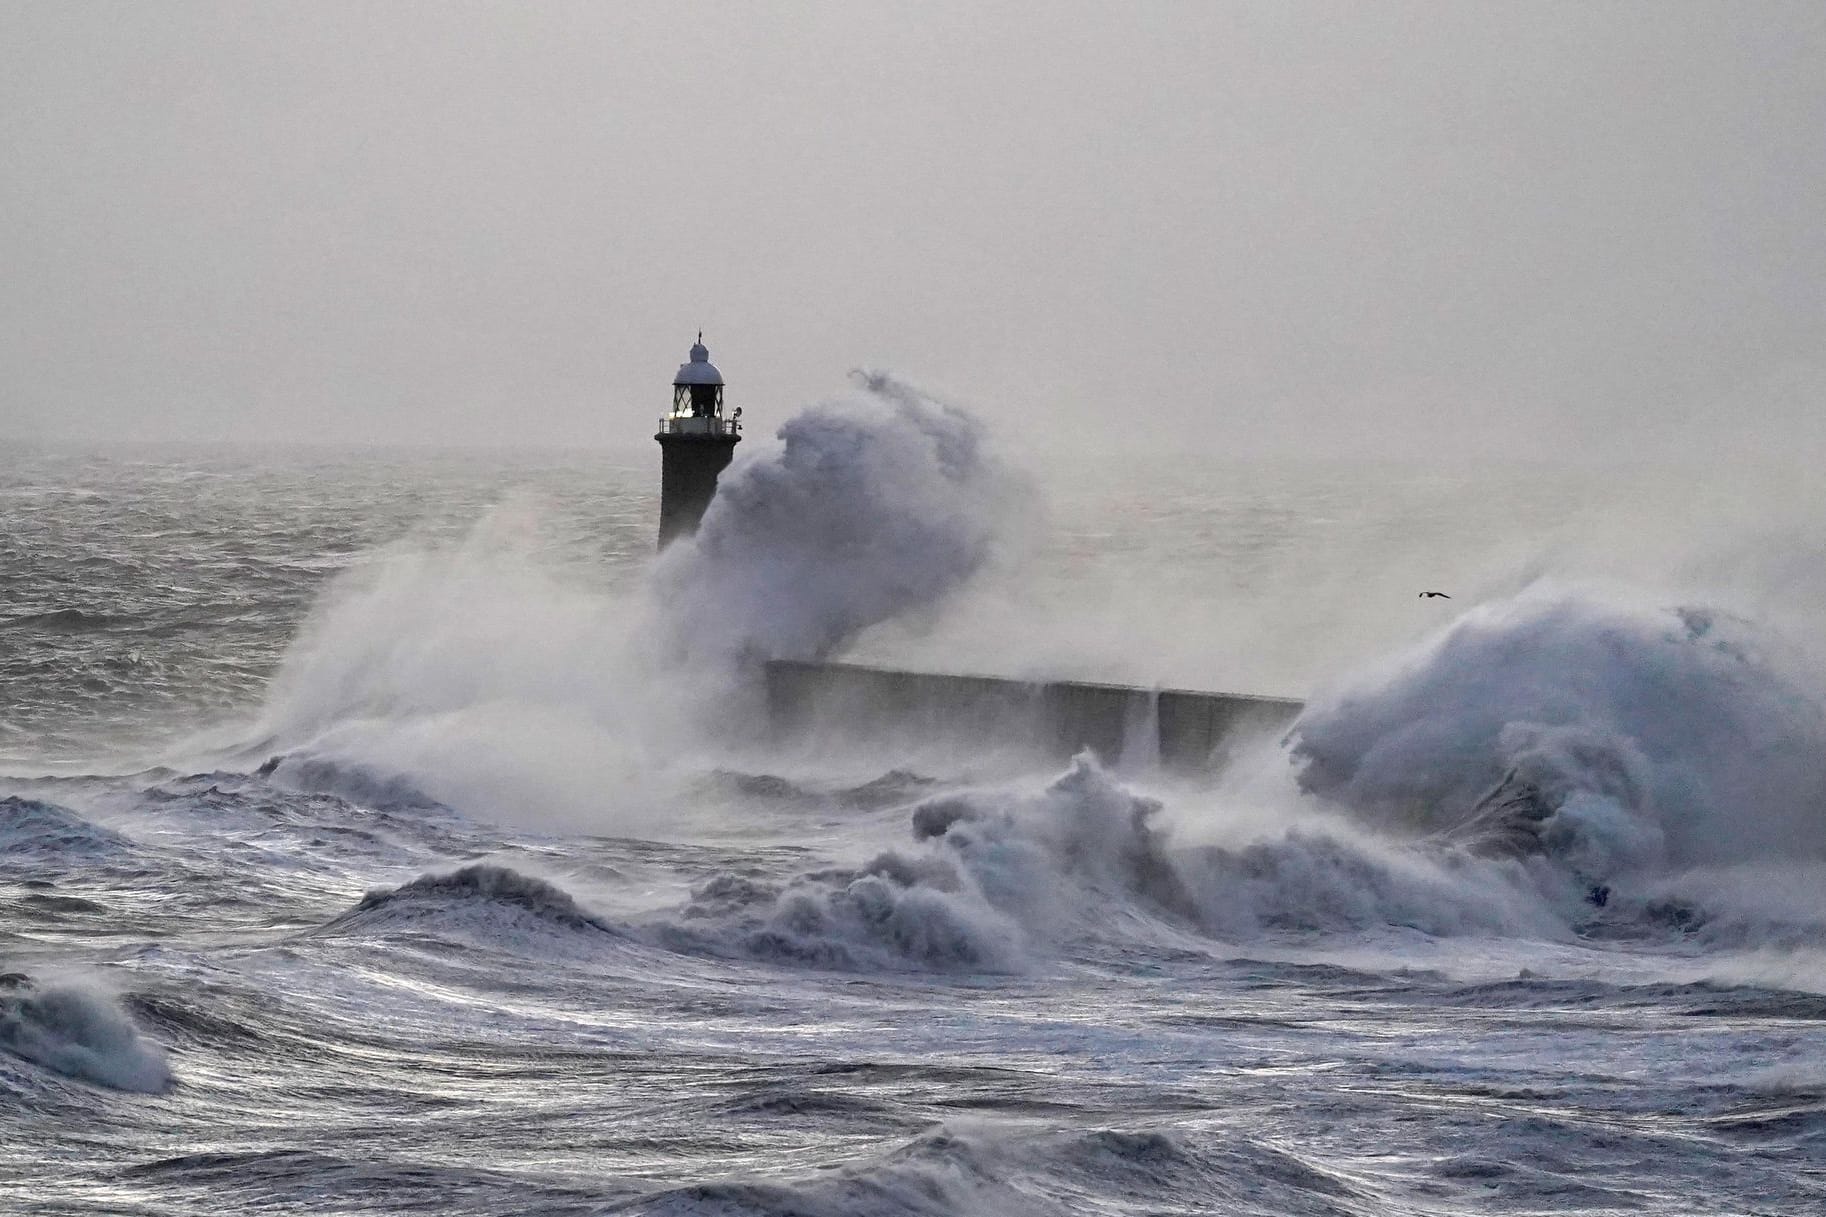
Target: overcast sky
(1383, 228)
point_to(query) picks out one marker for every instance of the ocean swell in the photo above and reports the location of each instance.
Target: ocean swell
(32, 828)
(977, 1167)
(481, 903)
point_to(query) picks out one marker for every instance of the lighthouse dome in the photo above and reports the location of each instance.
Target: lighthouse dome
(699, 371)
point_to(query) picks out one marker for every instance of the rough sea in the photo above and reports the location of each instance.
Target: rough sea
(391, 832)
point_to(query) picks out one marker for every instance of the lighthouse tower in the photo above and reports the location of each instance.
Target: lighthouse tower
(696, 443)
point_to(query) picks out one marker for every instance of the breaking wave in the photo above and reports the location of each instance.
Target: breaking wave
(891, 913)
(501, 672)
(989, 877)
(80, 1031)
(995, 878)
(1618, 739)
(351, 783)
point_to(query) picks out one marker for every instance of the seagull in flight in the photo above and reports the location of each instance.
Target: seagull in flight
(1434, 596)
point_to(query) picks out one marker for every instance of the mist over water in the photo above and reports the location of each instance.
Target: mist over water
(476, 824)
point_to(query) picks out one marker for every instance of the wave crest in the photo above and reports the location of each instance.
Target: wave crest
(479, 901)
(28, 826)
(893, 912)
(983, 1169)
(81, 1032)
(66, 621)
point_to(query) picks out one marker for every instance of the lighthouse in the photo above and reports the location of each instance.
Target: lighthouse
(696, 443)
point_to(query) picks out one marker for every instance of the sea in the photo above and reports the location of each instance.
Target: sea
(393, 831)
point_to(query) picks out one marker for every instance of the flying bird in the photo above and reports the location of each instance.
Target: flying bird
(1433, 595)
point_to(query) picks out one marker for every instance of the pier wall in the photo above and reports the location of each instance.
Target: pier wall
(1178, 728)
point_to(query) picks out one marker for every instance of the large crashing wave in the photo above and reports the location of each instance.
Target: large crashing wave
(1622, 738)
(80, 1031)
(871, 507)
(997, 877)
(991, 878)
(495, 680)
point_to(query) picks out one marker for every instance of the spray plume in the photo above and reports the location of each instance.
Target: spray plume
(874, 506)
(1652, 736)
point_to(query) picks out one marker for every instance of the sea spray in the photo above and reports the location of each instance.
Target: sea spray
(870, 507)
(500, 681)
(1651, 735)
(421, 629)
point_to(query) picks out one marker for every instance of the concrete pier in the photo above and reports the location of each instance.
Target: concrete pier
(1178, 728)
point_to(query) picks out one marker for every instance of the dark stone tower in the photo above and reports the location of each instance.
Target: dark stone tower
(696, 443)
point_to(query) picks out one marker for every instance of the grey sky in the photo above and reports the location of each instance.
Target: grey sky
(1376, 228)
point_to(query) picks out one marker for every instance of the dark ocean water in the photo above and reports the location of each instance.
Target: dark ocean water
(370, 843)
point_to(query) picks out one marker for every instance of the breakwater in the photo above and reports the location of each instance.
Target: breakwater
(1176, 728)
